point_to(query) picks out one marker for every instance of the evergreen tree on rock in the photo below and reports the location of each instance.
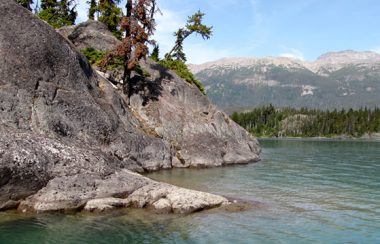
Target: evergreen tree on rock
(194, 25)
(93, 9)
(110, 15)
(138, 25)
(58, 13)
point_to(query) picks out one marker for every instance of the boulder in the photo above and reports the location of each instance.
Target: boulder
(168, 198)
(90, 34)
(120, 189)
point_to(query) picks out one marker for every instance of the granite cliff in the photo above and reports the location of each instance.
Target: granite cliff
(69, 141)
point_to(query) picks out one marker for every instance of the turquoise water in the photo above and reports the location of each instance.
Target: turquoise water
(303, 191)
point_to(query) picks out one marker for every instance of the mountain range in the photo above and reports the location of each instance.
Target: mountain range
(345, 79)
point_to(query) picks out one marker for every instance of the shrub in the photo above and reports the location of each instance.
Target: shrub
(93, 56)
(141, 71)
(182, 70)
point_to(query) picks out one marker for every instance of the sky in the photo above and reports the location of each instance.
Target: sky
(302, 29)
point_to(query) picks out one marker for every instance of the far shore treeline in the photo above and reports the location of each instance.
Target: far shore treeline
(269, 121)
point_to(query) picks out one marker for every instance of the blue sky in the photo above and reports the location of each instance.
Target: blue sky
(303, 29)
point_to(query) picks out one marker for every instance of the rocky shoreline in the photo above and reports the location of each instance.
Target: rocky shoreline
(70, 142)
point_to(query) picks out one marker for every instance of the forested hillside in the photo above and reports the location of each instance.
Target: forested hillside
(269, 121)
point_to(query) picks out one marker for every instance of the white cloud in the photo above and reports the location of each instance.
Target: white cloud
(197, 50)
(203, 52)
(292, 53)
(167, 23)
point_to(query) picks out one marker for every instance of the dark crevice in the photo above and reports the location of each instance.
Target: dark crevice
(180, 158)
(86, 67)
(55, 93)
(37, 85)
(214, 126)
(118, 156)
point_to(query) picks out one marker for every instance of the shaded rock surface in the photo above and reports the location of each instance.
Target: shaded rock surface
(68, 140)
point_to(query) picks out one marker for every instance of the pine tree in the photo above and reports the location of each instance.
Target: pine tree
(58, 13)
(110, 15)
(138, 25)
(194, 25)
(92, 10)
(67, 12)
(155, 56)
(266, 121)
(26, 4)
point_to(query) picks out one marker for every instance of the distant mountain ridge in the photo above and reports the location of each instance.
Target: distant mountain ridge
(342, 79)
(349, 56)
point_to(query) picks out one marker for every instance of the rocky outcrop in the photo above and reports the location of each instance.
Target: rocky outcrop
(179, 113)
(94, 193)
(68, 140)
(90, 34)
(53, 91)
(172, 109)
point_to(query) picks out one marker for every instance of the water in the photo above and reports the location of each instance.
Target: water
(303, 191)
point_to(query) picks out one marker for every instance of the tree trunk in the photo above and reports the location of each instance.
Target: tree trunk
(176, 45)
(127, 72)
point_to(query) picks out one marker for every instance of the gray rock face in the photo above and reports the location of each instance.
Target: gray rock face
(179, 113)
(68, 140)
(29, 161)
(49, 88)
(90, 34)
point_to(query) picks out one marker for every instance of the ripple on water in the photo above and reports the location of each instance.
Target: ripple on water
(304, 191)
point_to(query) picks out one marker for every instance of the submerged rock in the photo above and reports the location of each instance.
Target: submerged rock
(168, 198)
(68, 140)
